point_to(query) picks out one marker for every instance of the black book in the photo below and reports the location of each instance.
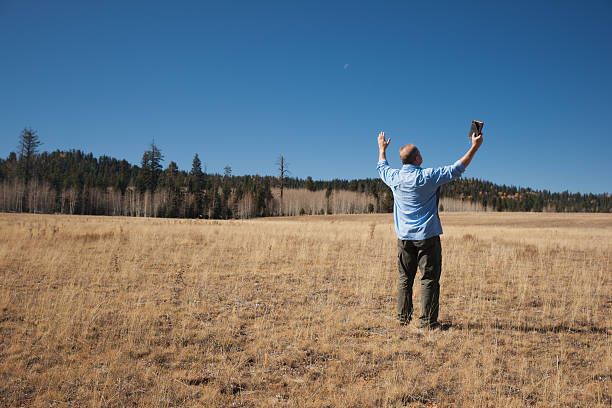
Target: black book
(476, 128)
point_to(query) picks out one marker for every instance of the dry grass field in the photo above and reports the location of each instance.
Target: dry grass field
(300, 312)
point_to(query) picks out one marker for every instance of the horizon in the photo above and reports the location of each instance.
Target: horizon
(240, 84)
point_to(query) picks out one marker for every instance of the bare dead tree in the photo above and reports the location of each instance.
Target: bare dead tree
(282, 173)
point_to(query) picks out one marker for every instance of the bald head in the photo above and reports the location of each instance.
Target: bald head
(408, 153)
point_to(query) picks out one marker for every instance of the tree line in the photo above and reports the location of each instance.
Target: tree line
(75, 182)
(494, 197)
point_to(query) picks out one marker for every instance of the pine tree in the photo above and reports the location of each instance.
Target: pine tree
(171, 183)
(123, 176)
(387, 201)
(309, 184)
(28, 149)
(196, 167)
(195, 185)
(151, 168)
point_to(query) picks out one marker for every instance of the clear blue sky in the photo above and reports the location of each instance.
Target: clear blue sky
(242, 82)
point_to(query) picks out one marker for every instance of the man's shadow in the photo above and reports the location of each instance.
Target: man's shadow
(524, 328)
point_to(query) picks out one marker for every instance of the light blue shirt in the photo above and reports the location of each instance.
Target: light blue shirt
(415, 202)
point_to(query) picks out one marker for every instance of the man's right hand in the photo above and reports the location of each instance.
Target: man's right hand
(476, 140)
(382, 146)
(382, 143)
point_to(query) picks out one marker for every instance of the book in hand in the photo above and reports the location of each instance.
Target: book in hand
(476, 128)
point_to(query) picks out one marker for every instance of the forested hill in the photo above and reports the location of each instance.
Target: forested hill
(79, 183)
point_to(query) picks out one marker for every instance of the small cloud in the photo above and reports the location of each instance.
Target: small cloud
(346, 66)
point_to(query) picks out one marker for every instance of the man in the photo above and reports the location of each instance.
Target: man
(417, 225)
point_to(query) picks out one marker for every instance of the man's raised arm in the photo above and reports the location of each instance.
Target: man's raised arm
(476, 142)
(387, 174)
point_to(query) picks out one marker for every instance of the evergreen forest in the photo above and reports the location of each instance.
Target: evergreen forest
(76, 182)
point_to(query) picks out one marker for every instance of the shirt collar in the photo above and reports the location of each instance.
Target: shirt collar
(410, 167)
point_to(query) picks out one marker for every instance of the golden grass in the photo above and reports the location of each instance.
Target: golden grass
(113, 311)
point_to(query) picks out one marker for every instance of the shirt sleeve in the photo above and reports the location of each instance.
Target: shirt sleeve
(442, 175)
(387, 174)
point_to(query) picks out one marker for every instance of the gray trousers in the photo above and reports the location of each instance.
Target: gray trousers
(427, 255)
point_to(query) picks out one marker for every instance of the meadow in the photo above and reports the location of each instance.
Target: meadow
(300, 312)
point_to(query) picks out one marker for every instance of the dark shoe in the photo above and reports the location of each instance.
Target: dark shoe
(431, 327)
(404, 322)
